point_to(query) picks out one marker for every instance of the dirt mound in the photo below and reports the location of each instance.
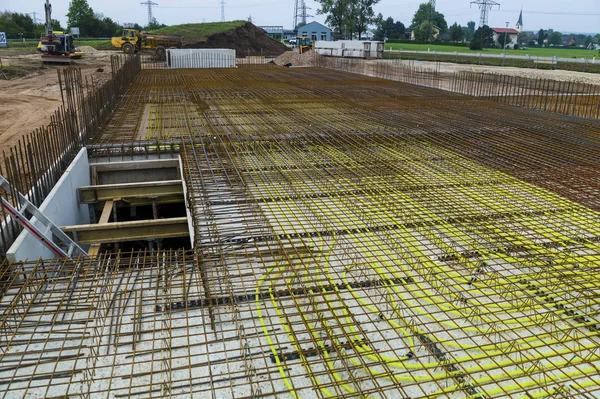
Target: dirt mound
(291, 58)
(87, 49)
(246, 40)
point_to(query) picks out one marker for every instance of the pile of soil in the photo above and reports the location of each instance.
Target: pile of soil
(292, 58)
(246, 40)
(87, 49)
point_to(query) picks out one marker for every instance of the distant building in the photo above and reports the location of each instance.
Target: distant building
(274, 32)
(288, 35)
(519, 24)
(513, 34)
(315, 31)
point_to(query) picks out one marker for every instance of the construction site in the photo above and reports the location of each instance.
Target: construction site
(352, 229)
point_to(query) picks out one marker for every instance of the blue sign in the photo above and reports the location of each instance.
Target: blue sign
(3, 40)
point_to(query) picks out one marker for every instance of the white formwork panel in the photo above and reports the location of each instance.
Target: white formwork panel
(200, 58)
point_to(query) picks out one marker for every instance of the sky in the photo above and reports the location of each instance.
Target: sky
(582, 16)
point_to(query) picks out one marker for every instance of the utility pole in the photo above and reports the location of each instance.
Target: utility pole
(33, 14)
(149, 3)
(222, 2)
(485, 6)
(300, 13)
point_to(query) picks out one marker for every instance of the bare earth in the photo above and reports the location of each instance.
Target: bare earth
(29, 102)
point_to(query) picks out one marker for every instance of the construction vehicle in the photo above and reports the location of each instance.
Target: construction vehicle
(133, 40)
(73, 55)
(303, 44)
(56, 48)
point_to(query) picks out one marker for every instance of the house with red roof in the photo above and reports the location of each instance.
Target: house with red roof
(513, 34)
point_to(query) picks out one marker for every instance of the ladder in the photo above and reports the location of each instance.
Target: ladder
(49, 234)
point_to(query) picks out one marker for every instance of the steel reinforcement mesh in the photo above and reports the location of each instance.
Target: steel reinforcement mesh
(353, 237)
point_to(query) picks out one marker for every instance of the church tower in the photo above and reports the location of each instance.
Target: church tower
(519, 25)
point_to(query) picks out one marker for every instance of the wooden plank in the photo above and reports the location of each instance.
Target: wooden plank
(104, 218)
(170, 190)
(129, 231)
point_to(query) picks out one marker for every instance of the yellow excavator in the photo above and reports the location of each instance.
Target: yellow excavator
(72, 55)
(133, 40)
(303, 44)
(56, 47)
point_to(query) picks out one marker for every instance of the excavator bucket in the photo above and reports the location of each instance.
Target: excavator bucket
(56, 59)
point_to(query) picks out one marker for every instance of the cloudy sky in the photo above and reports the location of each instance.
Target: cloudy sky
(572, 16)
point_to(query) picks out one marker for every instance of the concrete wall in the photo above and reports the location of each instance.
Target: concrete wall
(201, 58)
(61, 206)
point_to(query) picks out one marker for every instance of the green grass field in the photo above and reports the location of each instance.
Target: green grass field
(534, 52)
(193, 33)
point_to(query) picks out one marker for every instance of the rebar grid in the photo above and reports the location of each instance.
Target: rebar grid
(353, 238)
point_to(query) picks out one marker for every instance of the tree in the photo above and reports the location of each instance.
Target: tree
(456, 32)
(540, 37)
(425, 32)
(471, 26)
(388, 28)
(485, 35)
(467, 34)
(57, 26)
(502, 37)
(556, 38)
(82, 16)
(426, 13)
(363, 15)
(337, 11)
(522, 37)
(153, 25)
(475, 44)
(588, 40)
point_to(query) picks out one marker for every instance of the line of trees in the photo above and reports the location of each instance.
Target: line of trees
(16, 23)
(80, 14)
(348, 17)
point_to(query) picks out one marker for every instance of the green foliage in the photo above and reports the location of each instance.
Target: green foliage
(362, 15)
(456, 32)
(153, 25)
(337, 12)
(425, 32)
(14, 23)
(485, 35)
(388, 28)
(471, 27)
(475, 44)
(588, 40)
(502, 37)
(193, 33)
(556, 38)
(57, 26)
(348, 16)
(540, 37)
(426, 13)
(81, 15)
(90, 24)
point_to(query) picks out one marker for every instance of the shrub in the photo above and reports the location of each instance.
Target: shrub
(475, 44)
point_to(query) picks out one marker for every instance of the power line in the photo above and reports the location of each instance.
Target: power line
(34, 17)
(149, 3)
(485, 6)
